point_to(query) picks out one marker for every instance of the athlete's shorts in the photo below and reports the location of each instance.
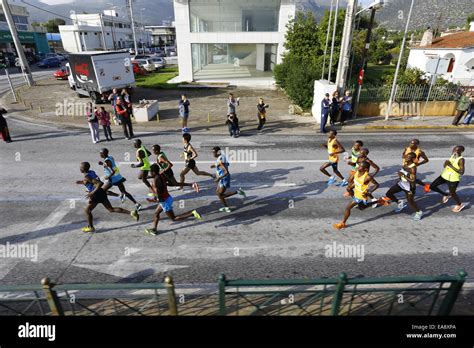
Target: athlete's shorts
(360, 201)
(168, 174)
(99, 197)
(191, 164)
(334, 165)
(225, 182)
(167, 205)
(121, 181)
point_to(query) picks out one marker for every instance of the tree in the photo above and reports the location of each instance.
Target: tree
(409, 77)
(52, 26)
(302, 63)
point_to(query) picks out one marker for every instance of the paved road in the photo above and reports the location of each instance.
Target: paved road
(280, 231)
(18, 79)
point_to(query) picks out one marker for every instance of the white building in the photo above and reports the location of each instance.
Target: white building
(458, 48)
(223, 39)
(101, 31)
(164, 35)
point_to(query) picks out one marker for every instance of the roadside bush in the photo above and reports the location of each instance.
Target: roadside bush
(298, 78)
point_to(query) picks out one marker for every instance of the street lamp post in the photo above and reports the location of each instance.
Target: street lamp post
(16, 41)
(142, 30)
(112, 29)
(130, 3)
(395, 79)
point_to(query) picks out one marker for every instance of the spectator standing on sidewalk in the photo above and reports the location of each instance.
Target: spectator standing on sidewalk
(104, 120)
(233, 125)
(232, 104)
(346, 107)
(335, 108)
(262, 113)
(93, 121)
(113, 102)
(183, 109)
(125, 119)
(463, 106)
(127, 98)
(325, 106)
(4, 127)
(470, 111)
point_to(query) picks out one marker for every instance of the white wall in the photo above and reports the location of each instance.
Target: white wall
(260, 65)
(418, 59)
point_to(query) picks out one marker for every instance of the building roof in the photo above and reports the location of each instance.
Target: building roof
(459, 41)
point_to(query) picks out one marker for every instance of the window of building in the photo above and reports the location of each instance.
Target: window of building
(234, 16)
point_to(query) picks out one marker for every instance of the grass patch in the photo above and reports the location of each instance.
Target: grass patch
(375, 73)
(158, 80)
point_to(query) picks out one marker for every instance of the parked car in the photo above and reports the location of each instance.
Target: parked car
(62, 57)
(141, 56)
(158, 61)
(172, 54)
(138, 69)
(62, 74)
(49, 63)
(147, 64)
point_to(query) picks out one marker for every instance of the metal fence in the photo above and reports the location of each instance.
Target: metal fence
(341, 296)
(409, 93)
(338, 296)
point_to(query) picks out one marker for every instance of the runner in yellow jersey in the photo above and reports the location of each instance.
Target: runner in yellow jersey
(354, 156)
(334, 150)
(361, 185)
(143, 164)
(453, 170)
(421, 159)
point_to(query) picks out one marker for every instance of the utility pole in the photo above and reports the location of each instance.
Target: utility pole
(130, 3)
(364, 59)
(104, 42)
(333, 40)
(345, 54)
(19, 48)
(395, 79)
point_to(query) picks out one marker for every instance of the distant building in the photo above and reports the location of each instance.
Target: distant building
(221, 39)
(101, 32)
(32, 39)
(164, 35)
(458, 48)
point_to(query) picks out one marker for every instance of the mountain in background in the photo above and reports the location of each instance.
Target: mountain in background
(426, 13)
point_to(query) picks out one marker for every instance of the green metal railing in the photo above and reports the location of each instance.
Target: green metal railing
(333, 296)
(341, 296)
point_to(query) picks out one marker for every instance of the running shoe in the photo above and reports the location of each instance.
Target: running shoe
(196, 187)
(427, 188)
(418, 216)
(134, 214)
(331, 181)
(242, 192)
(401, 205)
(122, 198)
(138, 207)
(150, 231)
(459, 208)
(376, 203)
(445, 199)
(384, 202)
(225, 210)
(197, 215)
(88, 229)
(343, 183)
(150, 194)
(339, 226)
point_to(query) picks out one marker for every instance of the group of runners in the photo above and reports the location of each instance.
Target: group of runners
(161, 174)
(361, 183)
